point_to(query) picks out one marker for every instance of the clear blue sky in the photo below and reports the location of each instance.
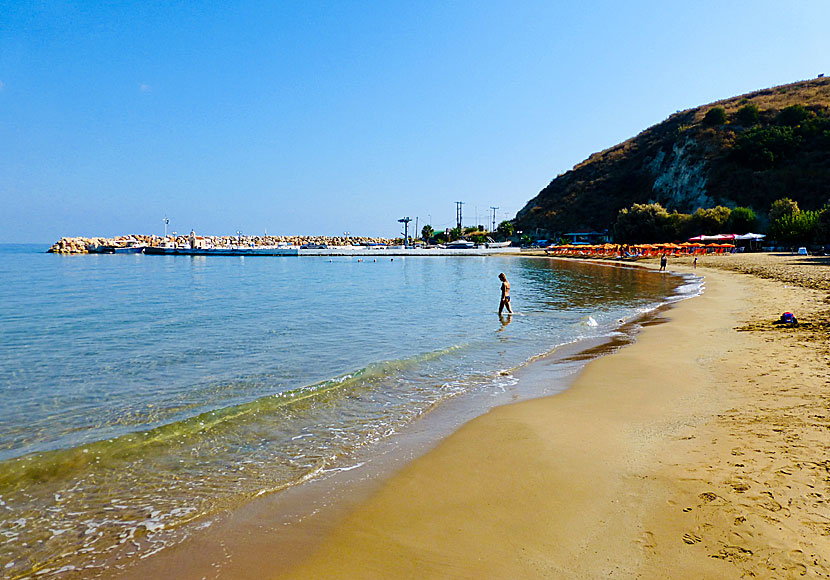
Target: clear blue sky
(325, 117)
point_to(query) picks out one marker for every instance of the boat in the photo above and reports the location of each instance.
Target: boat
(491, 243)
(131, 247)
(460, 245)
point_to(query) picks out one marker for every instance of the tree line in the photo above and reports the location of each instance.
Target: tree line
(785, 223)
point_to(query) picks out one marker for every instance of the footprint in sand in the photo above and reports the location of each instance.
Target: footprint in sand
(646, 540)
(691, 538)
(739, 486)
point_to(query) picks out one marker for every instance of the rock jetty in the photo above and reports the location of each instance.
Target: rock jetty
(78, 245)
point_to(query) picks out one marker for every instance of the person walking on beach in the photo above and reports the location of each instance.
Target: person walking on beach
(505, 294)
(663, 261)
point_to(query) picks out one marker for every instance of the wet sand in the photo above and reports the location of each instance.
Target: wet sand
(699, 451)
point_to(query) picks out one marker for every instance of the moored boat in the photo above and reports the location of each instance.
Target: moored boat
(460, 245)
(131, 247)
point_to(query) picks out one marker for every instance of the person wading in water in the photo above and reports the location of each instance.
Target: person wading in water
(505, 294)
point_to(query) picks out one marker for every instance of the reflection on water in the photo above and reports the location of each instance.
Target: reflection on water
(505, 319)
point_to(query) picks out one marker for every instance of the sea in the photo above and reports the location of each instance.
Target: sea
(141, 395)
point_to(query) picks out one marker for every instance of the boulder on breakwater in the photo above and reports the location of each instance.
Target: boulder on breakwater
(79, 245)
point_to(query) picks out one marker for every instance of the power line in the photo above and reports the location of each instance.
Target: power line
(494, 208)
(405, 221)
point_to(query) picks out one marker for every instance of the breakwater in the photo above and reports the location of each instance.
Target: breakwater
(83, 245)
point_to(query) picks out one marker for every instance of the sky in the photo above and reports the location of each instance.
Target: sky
(309, 117)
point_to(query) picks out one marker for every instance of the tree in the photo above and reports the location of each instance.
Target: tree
(748, 115)
(642, 223)
(782, 207)
(796, 228)
(711, 221)
(506, 229)
(427, 232)
(742, 220)
(715, 116)
(680, 226)
(823, 227)
(455, 234)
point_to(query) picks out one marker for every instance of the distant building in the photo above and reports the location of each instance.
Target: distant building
(588, 237)
(199, 242)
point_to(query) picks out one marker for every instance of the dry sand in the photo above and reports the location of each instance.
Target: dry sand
(701, 451)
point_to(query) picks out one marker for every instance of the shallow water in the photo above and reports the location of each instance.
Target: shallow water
(139, 394)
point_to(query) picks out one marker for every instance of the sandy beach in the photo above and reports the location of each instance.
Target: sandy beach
(700, 451)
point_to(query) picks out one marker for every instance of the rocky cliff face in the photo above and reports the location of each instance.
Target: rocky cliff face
(685, 163)
(680, 176)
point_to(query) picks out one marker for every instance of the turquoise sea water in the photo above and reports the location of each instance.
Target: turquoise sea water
(140, 394)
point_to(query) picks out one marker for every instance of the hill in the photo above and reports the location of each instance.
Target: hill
(747, 151)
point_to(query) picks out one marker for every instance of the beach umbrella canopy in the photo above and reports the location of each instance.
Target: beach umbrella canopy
(751, 236)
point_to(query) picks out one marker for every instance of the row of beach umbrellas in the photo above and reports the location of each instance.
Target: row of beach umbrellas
(640, 249)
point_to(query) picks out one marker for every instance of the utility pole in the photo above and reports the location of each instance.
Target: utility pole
(417, 233)
(494, 208)
(458, 205)
(166, 221)
(405, 221)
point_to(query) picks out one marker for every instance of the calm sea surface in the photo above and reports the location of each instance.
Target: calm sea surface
(140, 394)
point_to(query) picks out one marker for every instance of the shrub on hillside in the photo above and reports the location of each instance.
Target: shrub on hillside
(793, 115)
(762, 147)
(715, 116)
(748, 115)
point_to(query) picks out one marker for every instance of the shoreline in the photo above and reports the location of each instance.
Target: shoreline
(679, 456)
(290, 523)
(636, 480)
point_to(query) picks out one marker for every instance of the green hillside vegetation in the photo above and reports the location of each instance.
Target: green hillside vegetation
(736, 155)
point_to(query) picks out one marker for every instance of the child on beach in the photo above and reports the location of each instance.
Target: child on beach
(505, 294)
